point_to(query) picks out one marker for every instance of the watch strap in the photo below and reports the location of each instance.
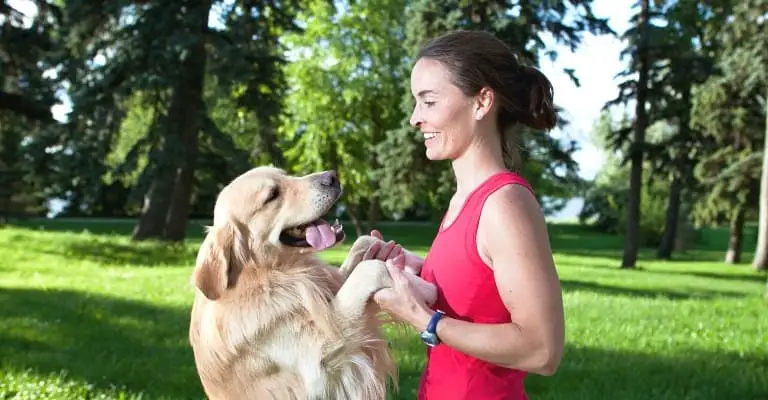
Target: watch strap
(432, 325)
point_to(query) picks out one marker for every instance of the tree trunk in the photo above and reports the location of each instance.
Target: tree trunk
(186, 116)
(667, 244)
(156, 204)
(760, 262)
(355, 220)
(636, 156)
(736, 236)
(374, 200)
(157, 200)
(372, 215)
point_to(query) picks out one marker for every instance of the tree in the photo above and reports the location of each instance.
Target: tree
(642, 65)
(29, 52)
(732, 105)
(345, 89)
(684, 59)
(168, 53)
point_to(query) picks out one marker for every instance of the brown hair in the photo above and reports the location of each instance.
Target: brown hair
(477, 59)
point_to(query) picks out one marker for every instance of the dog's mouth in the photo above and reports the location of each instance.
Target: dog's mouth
(318, 234)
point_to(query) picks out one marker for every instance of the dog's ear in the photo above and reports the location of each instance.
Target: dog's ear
(218, 262)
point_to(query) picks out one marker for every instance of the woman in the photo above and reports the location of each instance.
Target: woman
(499, 313)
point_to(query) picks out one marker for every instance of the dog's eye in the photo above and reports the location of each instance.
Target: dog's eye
(274, 193)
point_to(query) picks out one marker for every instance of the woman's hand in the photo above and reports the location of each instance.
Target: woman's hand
(405, 301)
(383, 252)
(391, 250)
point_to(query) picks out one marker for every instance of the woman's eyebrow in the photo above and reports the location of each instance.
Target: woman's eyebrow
(425, 92)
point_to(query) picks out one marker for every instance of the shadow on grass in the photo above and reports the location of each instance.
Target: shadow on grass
(120, 227)
(644, 255)
(758, 277)
(607, 261)
(610, 290)
(409, 235)
(594, 374)
(132, 254)
(100, 340)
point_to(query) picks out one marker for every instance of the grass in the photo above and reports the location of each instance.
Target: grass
(90, 315)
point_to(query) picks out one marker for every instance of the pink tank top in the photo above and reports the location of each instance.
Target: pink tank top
(467, 291)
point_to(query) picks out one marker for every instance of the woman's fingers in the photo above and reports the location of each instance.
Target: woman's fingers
(395, 267)
(388, 250)
(372, 252)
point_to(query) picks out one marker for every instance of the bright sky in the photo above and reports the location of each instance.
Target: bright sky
(596, 63)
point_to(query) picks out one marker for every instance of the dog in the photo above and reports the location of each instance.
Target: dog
(270, 319)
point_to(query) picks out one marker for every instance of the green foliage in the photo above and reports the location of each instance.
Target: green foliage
(22, 169)
(606, 200)
(344, 91)
(29, 50)
(607, 197)
(679, 57)
(127, 61)
(29, 47)
(729, 110)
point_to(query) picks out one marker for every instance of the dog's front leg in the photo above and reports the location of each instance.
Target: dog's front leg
(356, 253)
(367, 278)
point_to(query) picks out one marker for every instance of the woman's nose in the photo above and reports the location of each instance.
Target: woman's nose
(415, 119)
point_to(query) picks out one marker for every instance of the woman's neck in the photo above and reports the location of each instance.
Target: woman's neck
(475, 165)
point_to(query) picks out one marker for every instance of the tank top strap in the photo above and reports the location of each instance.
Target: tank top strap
(475, 202)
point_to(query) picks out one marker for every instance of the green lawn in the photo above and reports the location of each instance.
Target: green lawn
(88, 315)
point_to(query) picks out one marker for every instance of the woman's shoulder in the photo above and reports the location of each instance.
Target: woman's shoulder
(512, 228)
(512, 211)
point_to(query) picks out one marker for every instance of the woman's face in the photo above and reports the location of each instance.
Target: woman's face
(445, 116)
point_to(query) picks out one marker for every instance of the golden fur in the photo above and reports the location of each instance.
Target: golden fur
(273, 321)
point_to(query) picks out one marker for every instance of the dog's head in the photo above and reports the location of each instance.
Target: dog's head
(262, 217)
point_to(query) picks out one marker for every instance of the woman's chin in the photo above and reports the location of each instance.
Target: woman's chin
(434, 154)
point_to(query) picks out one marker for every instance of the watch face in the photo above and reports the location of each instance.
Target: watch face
(430, 339)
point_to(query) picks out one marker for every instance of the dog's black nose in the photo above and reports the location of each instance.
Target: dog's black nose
(329, 178)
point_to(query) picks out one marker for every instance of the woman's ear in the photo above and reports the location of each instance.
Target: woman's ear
(484, 103)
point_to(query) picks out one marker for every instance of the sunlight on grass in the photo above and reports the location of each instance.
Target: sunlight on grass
(92, 315)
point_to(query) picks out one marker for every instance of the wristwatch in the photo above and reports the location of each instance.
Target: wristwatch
(429, 335)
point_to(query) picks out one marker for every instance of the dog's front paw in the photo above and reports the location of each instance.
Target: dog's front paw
(357, 253)
(369, 277)
(374, 275)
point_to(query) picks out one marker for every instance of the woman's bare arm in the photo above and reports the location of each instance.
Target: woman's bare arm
(513, 237)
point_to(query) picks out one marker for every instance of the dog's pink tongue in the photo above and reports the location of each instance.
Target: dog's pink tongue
(320, 235)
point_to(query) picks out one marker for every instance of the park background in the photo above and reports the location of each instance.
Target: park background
(120, 120)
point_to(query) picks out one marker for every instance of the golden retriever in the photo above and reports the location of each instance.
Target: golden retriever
(270, 320)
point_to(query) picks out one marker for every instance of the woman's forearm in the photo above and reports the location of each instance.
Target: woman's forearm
(426, 290)
(505, 344)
